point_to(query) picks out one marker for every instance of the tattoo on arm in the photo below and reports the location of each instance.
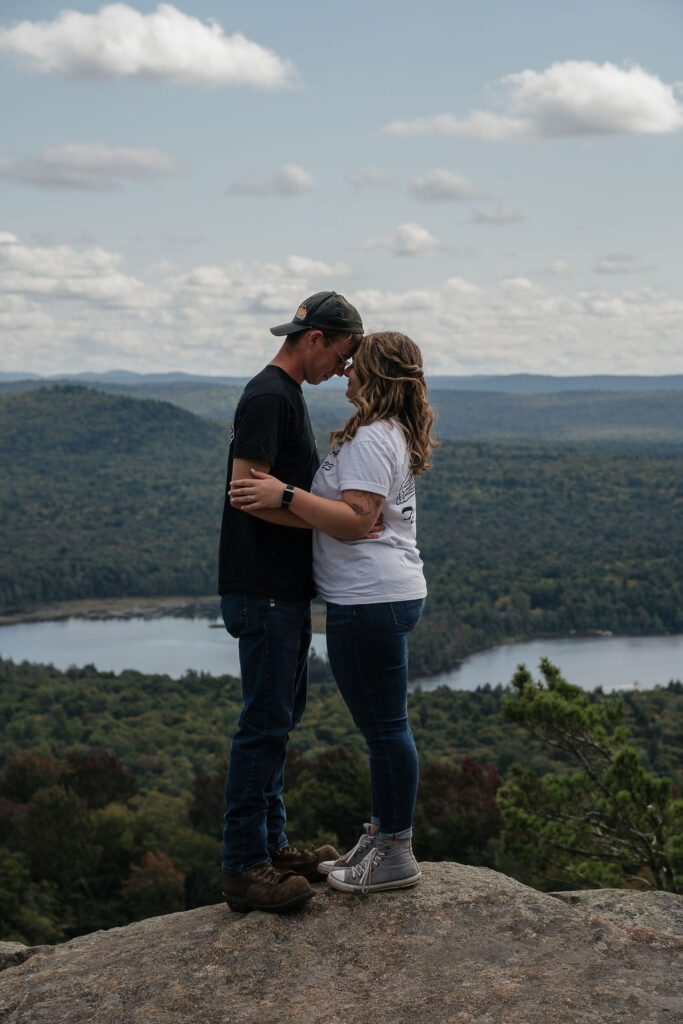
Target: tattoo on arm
(370, 506)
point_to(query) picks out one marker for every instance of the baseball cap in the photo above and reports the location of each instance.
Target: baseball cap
(328, 311)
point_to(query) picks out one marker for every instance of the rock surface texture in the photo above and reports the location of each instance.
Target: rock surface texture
(466, 946)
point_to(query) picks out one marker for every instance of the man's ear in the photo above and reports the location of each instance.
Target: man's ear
(315, 336)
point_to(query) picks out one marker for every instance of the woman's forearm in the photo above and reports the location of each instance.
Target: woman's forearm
(348, 519)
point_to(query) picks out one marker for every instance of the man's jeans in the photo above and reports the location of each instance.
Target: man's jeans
(274, 637)
(367, 645)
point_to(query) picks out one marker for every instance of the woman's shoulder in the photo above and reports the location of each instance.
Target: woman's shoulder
(384, 431)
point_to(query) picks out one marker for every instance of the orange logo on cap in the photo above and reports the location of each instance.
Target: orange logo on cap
(300, 313)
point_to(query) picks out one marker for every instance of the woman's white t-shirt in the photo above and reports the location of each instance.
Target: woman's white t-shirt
(388, 568)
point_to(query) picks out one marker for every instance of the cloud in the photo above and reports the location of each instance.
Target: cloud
(516, 325)
(570, 98)
(561, 268)
(92, 167)
(440, 185)
(496, 215)
(167, 45)
(290, 180)
(408, 239)
(62, 272)
(620, 263)
(67, 309)
(370, 177)
(301, 266)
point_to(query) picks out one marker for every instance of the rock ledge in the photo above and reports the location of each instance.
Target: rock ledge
(467, 945)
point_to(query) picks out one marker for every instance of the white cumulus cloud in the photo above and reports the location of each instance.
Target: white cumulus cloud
(570, 98)
(166, 45)
(407, 239)
(68, 308)
(441, 185)
(290, 180)
(90, 166)
(62, 272)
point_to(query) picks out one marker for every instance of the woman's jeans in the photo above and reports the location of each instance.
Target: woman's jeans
(274, 637)
(367, 645)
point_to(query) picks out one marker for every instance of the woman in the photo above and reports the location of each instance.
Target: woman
(374, 589)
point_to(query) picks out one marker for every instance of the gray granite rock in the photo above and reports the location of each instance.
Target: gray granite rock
(466, 946)
(657, 910)
(13, 953)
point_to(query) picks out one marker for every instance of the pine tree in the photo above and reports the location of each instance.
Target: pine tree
(604, 821)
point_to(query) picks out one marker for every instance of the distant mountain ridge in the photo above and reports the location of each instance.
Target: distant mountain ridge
(514, 383)
(650, 417)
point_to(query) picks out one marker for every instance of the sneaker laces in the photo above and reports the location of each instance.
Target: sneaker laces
(363, 871)
(364, 841)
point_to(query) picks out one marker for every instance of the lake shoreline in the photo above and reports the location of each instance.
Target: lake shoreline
(208, 607)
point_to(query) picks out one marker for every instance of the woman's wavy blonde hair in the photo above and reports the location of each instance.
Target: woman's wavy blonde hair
(392, 384)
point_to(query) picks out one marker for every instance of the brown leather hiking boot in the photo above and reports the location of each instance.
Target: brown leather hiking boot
(264, 887)
(302, 862)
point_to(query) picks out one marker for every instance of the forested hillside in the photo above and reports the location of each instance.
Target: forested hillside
(108, 496)
(111, 787)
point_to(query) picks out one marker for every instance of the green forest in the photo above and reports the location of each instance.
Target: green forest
(111, 786)
(108, 496)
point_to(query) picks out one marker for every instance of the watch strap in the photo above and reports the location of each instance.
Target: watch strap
(287, 496)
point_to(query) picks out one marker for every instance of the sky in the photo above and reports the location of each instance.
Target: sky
(500, 181)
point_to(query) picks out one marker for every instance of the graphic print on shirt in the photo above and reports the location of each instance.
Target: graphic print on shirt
(405, 492)
(328, 464)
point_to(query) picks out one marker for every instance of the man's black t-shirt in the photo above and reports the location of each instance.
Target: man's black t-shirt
(271, 423)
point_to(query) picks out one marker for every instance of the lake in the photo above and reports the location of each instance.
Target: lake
(172, 645)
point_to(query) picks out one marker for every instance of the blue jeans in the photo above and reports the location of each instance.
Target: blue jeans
(367, 645)
(274, 637)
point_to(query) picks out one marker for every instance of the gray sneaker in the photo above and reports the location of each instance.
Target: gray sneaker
(386, 866)
(354, 856)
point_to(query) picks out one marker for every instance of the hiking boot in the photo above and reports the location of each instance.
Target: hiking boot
(265, 888)
(386, 866)
(302, 862)
(354, 856)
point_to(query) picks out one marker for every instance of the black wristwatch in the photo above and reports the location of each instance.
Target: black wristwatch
(287, 496)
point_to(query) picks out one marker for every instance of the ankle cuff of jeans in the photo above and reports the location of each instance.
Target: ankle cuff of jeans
(406, 833)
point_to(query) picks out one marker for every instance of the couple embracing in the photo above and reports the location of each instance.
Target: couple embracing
(346, 530)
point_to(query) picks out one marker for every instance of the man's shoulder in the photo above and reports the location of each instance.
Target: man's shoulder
(271, 381)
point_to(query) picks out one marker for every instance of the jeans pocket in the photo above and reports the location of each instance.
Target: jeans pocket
(407, 614)
(235, 614)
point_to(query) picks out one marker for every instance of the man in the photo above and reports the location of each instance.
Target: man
(266, 585)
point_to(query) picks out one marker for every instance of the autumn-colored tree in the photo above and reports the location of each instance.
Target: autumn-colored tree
(456, 813)
(154, 886)
(99, 777)
(25, 772)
